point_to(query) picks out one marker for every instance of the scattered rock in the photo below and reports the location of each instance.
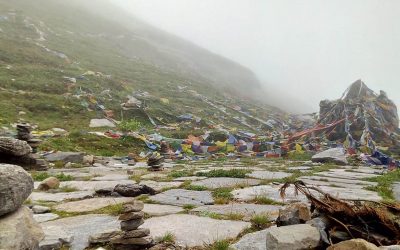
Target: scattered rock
(294, 237)
(295, 213)
(133, 190)
(18, 230)
(49, 183)
(88, 159)
(14, 147)
(15, 187)
(354, 244)
(98, 123)
(252, 241)
(73, 157)
(40, 209)
(336, 155)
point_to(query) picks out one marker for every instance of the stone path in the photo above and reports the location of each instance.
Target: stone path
(186, 213)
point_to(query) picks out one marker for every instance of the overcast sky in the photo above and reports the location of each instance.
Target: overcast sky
(311, 49)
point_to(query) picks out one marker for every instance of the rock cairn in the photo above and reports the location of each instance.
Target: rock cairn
(155, 162)
(24, 134)
(131, 236)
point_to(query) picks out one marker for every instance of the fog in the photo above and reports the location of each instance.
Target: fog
(303, 51)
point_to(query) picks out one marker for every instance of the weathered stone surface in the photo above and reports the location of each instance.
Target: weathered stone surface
(45, 217)
(252, 241)
(153, 176)
(302, 236)
(295, 213)
(219, 182)
(98, 123)
(131, 225)
(300, 168)
(140, 232)
(15, 187)
(57, 197)
(18, 230)
(131, 216)
(145, 241)
(190, 178)
(14, 147)
(160, 186)
(133, 190)
(247, 210)
(49, 183)
(94, 185)
(36, 209)
(345, 174)
(133, 206)
(52, 244)
(79, 228)
(181, 197)
(111, 177)
(269, 191)
(354, 244)
(268, 175)
(336, 155)
(160, 210)
(191, 230)
(396, 191)
(89, 204)
(104, 237)
(73, 157)
(393, 247)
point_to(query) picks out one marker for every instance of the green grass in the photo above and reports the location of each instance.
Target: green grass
(168, 237)
(196, 188)
(64, 177)
(40, 176)
(264, 200)
(178, 174)
(189, 207)
(218, 245)
(384, 187)
(260, 221)
(234, 173)
(222, 195)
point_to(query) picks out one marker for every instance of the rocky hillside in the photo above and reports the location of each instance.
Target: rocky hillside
(52, 53)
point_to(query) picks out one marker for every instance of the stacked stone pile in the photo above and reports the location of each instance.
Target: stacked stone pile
(131, 236)
(155, 162)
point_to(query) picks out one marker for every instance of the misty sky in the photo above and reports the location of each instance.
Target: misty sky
(310, 49)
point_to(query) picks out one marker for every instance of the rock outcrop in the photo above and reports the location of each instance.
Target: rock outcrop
(336, 155)
(15, 187)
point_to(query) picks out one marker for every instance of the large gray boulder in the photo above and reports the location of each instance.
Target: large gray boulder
(18, 230)
(294, 237)
(14, 147)
(15, 187)
(336, 155)
(73, 157)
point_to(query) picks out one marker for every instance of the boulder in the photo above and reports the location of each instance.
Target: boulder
(336, 155)
(15, 187)
(18, 230)
(73, 157)
(49, 183)
(14, 147)
(133, 190)
(354, 244)
(295, 213)
(294, 237)
(98, 123)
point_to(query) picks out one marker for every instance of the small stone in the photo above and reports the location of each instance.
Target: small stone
(129, 225)
(294, 237)
(40, 209)
(131, 216)
(49, 183)
(133, 241)
(138, 233)
(133, 190)
(354, 244)
(135, 206)
(88, 159)
(296, 213)
(50, 244)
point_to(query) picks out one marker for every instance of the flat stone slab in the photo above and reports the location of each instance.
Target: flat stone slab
(58, 197)
(80, 227)
(351, 194)
(181, 197)
(252, 241)
(111, 177)
(161, 210)
(311, 182)
(45, 217)
(248, 210)
(269, 191)
(94, 185)
(190, 178)
(268, 175)
(90, 204)
(191, 230)
(338, 180)
(153, 176)
(342, 173)
(300, 168)
(219, 182)
(160, 186)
